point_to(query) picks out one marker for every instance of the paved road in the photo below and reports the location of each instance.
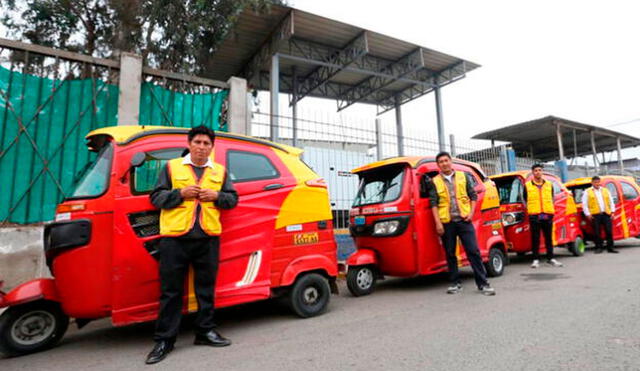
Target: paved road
(585, 316)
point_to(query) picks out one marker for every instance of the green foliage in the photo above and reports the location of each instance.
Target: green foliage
(178, 35)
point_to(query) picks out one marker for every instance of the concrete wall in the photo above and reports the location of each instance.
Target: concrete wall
(21, 256)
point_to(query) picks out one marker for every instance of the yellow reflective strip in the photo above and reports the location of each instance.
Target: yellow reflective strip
(192, 303)
(625, 224)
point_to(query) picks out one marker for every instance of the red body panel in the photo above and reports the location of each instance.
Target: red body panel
(114, 274)
(418, 250)
(41, 288)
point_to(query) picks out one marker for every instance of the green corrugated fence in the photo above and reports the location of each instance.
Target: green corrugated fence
(42, 127)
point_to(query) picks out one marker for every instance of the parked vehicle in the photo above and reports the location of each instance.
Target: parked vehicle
(515, 219)
(278, 241)
(393, 227)
(626, 196)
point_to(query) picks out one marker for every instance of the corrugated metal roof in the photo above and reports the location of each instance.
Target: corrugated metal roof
(540, 134)
(252, 31)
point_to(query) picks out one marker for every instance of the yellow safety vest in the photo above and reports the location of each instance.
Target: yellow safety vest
(460, 190)
(592, 201)
(540, 199)
(181, 219)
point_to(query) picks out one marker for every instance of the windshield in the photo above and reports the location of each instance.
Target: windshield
(380, 185)
(578, 191)
(96, 180)
(510, 190)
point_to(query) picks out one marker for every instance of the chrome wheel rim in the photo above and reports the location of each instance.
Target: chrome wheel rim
(497, 263)
(364, 278)
(33, 327)
(311, 295)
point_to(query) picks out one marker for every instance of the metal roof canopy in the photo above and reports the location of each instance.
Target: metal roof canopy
(320, 57)
(545, 139)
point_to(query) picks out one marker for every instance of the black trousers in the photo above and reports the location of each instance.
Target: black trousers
(602, 220)
(467, 234)
(176, 254)
(546, 226)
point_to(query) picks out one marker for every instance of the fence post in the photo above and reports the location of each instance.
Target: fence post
(237, 115)
(452, 144)
(129, 85)
(379, 139)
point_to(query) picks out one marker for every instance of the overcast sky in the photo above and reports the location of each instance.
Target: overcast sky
(579, 60)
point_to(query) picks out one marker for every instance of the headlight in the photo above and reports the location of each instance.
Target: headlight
(512, 218)
(386, 228)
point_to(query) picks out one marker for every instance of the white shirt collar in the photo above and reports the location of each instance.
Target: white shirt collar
(186, 160)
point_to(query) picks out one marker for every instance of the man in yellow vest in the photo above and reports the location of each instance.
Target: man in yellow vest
(190, 192)
(597, 205)
(540, 208)
(453, 201)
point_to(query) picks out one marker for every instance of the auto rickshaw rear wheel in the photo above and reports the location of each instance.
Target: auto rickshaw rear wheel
(32, 327)
(496, 263)
(577, 246)
(361, 280)
(309, 295)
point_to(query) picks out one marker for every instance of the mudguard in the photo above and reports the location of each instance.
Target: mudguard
(306, 264)
(362, 257)
(42, 288)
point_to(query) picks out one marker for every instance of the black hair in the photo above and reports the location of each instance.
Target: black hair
(535, 166)
(201, 130)
(595, 177)
(442, 154)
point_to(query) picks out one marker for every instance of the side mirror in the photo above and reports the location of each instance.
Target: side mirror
(138, 159)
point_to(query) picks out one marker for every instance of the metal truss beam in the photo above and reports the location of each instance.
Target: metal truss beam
(338, 61)
(262, 57)
(409, 64)
(445, 77)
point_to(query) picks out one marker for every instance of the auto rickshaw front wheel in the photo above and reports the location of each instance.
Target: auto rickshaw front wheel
(31, 327)
(361, 280)
(496, 263)
(309, 296)
(577, 246)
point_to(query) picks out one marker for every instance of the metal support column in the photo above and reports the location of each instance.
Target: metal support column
(399, 129)
(379, 139)
(452, 145)
(560, 146)
(620, 163)
(294, 106)
(562, 163)
(274, 88)
(441, 143)
(594, 152)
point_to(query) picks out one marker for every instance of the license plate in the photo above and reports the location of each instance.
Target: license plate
(359, 220)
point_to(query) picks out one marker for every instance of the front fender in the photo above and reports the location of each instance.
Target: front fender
(42, 288)
(496, 240)
(362, 257)
(306, 264)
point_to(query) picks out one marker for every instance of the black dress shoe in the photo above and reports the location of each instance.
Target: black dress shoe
(159, 352)
(598, 251)
(212, 338)
(613, 251)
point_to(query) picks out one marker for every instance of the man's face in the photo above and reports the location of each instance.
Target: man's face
(537, 173)
(200, 148)
(444, 164)
(595, 183)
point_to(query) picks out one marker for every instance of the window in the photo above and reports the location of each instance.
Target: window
(578, 191)
(96, 180)
(247, 166)
(510, 190)
(628, 191)
(145, 176)
(614, 192)
(380, 185)
(557, 188)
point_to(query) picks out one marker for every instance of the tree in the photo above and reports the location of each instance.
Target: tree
(178, 35)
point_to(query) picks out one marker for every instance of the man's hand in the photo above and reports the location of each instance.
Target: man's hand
(590, 218)
(207, 195)
(468, 218)
(190, 192)
(439, 228)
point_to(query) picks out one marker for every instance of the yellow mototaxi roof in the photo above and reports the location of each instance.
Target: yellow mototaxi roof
(127, 134)
(522, 173)
(413, 161)
(587, 180)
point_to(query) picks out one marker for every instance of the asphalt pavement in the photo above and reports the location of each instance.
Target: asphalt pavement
(583, 316)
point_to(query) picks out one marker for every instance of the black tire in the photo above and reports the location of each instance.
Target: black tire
(496, 263)
(577, 247)
(361, 280)
(31, 327)
(309, 296)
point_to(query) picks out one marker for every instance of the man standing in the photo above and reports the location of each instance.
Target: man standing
(598, 206)
(190, 192)
(453, 201)
(540, 209)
